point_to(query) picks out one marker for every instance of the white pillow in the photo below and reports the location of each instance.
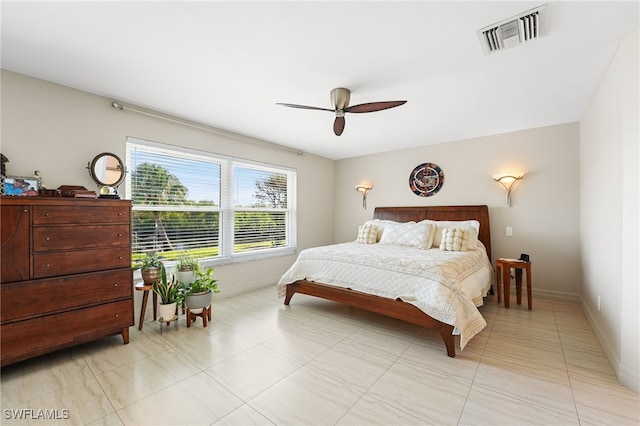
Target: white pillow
(409, 234)
(441, 225)
(455, 239)
(367, 234)
(433, 231)
(380, 224)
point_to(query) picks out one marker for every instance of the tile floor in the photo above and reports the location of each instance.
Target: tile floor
(317, 362)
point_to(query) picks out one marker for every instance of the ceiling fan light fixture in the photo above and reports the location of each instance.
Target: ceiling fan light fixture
(340, 98)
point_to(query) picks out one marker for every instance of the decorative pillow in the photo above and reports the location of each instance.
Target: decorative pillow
(367, 234)
(472, 225)
(455, 239)
(380, 223)
(409, 234)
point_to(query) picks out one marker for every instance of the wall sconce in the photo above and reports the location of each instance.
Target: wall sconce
(365, 190)
(508, 181)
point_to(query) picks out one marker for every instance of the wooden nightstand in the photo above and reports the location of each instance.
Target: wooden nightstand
(503, 279)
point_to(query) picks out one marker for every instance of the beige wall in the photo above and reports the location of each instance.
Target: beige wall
(545, 204)
(58, 130)
(609, 188)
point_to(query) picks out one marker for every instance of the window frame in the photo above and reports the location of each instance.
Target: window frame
(226, 209)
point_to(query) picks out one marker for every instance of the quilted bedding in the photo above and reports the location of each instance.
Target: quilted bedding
(429, 279)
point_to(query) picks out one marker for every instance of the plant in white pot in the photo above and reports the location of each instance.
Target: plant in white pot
(199, 293)
(186, 268)
(198, 296)
(170, 295)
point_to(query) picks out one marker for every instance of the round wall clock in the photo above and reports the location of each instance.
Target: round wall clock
(426, 179)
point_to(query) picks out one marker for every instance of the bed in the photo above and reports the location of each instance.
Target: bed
(433, 299)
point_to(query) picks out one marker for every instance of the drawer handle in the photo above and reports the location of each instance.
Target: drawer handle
(117, 315)
(119, 234)
(47, 265)
(25, 211)
(47, 214)
(119, 213)
(47, 238)
(115, 284)
(120, 257)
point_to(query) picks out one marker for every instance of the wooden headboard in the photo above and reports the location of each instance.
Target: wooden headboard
(418, 213)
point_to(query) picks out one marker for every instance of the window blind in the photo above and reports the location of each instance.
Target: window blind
(212, 206)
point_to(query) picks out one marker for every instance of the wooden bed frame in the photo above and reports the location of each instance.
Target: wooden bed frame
(397, 308)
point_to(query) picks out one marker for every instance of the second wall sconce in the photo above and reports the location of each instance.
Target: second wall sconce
(365, 190)
(508, 181)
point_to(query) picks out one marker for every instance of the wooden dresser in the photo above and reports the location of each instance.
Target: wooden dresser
(65, 273)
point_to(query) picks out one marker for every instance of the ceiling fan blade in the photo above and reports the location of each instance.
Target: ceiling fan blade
(338, 125)
(374, 106)
(304, 107)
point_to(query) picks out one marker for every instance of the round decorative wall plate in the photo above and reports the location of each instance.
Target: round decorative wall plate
(426, 179)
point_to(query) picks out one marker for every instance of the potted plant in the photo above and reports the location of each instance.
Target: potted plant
(186, 268)
(170, 295)
(151, 267)
(199, 293)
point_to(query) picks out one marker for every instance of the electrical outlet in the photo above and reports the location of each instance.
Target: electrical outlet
(598, 302)
(509, 231)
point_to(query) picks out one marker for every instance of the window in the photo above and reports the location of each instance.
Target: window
(213, 206)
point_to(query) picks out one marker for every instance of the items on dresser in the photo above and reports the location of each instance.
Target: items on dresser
(108, 171)
(76, 191)
(65, 273)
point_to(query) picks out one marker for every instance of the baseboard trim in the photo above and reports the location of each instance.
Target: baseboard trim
(245, 287)
(625, 375)
(562, 296)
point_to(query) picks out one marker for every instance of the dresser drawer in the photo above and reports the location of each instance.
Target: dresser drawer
(14, 243)
(37, 336)
(69, 237)
(51, 264)
(74, 214)
(40, 297)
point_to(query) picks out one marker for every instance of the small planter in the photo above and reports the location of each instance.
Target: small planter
(151, 275)
(167, 311)
(199, 300)
(186, 276)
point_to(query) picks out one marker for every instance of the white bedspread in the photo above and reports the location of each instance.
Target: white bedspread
(429, 279)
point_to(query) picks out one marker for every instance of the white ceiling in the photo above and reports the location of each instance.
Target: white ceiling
(226, 64)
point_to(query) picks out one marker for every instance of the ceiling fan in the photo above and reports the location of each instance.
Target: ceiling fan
(340, 100)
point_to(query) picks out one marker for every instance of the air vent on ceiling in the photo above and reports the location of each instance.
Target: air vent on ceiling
(519, 29)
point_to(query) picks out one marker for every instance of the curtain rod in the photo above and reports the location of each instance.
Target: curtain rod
(237, 136)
